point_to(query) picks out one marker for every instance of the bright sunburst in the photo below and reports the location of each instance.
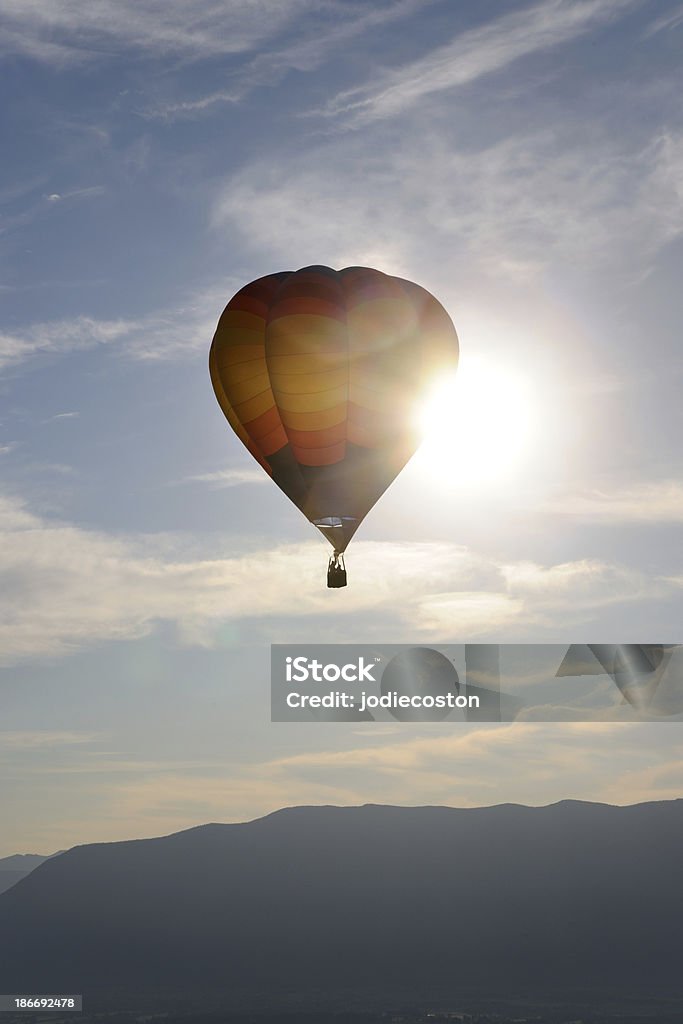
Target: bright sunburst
(479, 424)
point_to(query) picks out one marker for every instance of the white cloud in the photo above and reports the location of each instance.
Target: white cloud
(67, 586)
(472, 54)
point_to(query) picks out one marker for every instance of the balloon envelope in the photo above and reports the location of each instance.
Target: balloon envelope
(321, 374)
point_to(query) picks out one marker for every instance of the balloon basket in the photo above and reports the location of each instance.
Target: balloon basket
(336, 571)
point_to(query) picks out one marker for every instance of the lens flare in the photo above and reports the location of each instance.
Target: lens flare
(478, 423)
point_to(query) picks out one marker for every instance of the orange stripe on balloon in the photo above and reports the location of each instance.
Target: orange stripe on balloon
(263, 424)
(274, 442)
(320, 456)
(323, 438)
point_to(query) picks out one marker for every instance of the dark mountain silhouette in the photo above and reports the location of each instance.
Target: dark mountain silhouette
(17, 866)
(566, 898)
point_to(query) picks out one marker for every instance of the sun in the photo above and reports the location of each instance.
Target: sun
(478, 425)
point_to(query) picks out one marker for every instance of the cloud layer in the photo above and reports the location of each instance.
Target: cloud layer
(506, 211)
(67, 587)
(405, 765)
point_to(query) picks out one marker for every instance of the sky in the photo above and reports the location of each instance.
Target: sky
(522, 161)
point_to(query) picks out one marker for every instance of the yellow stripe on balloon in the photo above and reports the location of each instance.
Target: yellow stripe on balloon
(308, 383)
(254, 406)
(320, 419)
(322, 400)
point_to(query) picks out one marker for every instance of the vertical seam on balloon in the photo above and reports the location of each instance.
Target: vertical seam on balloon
(414, 305)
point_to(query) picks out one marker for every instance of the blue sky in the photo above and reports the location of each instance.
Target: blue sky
(522, 161)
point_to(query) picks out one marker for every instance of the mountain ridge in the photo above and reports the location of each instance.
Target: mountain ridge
(352, 807)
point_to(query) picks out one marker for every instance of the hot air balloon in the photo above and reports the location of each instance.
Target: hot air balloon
(321, 375)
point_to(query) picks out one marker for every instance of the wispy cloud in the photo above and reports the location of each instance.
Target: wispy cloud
(469, 613)
(63, 32)
(62, 468)
(76, 193)
(230, 477)
(316, 43)
(35, 739)
(473, 54)
(584, 583)
(60, 337)
(473, 767)
(166, 335)
(533, 598)
(668, 21)
(41, 207)
(655, 502)
(663, 781)
(436, 590)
